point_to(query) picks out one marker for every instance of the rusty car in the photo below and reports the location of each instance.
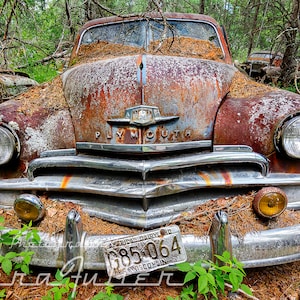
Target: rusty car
(150, 121)
(263, 63)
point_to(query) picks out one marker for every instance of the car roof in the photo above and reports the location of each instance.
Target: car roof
(265, 52)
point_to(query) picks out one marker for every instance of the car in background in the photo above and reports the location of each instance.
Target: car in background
(151, 122)
(260, 62)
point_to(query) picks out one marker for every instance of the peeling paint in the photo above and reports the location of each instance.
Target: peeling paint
(252, 121)
(44, 137)
(186, 87)
(14, 125)
(263, 115)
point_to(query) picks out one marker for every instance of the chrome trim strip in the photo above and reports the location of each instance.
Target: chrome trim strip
(259, 249)
(144, 148)
(232, 148)
(59, 152)
(143, 167)
(150, 148)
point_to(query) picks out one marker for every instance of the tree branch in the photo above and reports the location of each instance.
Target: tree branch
(241, 292)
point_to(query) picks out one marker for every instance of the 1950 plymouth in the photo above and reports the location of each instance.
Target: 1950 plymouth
(150, 122)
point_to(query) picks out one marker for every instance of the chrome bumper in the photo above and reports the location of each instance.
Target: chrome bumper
(83, 251)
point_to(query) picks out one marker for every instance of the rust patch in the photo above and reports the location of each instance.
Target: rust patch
(251, 114)
(206, 178)
(281, 164)
(179, 86)
(65, 181)
(227, 178)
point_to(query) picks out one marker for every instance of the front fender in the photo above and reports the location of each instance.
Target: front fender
(253, 120)
(41, 119)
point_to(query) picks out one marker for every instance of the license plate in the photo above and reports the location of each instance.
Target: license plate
(144, 252)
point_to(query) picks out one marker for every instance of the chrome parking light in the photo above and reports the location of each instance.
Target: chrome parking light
(270, 202)
(29, 207)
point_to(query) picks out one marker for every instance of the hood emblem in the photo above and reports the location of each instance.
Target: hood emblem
(142, 115)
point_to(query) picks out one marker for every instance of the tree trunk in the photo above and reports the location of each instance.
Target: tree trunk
(202, 6)
(288, 66)
(256, 5)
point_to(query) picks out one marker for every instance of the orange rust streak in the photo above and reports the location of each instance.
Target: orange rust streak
(206, 178)
(65, 181)
(227, 178)
(139, 60)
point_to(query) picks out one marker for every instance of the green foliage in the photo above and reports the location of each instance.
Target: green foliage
(187, 293)
(14, 260)
(213, 278)
(42, 73)
(33, 31)
(108, 294)
(17, 260)
(62, 288)
(2, 294)
(12, 237)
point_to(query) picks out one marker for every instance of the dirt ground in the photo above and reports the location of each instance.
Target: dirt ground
(272, 283)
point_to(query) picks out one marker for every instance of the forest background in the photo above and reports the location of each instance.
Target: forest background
(37, 35)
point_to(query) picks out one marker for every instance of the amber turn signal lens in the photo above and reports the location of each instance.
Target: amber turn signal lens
(29, 207)
(270, 202)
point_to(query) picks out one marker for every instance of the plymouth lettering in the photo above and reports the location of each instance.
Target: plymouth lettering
(149, 134)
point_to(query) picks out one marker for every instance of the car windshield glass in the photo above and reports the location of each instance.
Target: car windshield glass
(141, 33)
(196, 30)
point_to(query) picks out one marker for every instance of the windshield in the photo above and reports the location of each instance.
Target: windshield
(142, 32)
(183, 38)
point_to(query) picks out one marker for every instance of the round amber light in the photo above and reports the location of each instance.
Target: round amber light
(29, 207)
(270, 202)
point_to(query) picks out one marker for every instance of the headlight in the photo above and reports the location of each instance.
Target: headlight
(7, 145)
(270, 202)
(29, 207)
(287, 138)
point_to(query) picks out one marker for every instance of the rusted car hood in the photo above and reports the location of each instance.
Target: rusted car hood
(105, 96)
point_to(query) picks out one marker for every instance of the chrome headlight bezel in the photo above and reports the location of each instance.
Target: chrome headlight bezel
(287, 137)
(29, 207)
(9, 144)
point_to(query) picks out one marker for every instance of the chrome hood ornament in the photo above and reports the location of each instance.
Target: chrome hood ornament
(142, 115)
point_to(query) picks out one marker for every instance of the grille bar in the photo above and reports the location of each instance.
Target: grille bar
(144, 166)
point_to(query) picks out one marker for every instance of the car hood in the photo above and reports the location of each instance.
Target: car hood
(146, 98)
